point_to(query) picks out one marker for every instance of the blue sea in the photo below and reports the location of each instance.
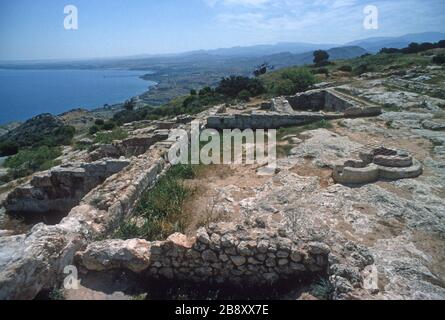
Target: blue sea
(27, 93)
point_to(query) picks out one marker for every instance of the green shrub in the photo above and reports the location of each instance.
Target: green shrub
(283, 87)
(130, 104)
(345, 68)
(439, 59)
(293, 81)
(101, 125)
(362, 68)
(94, 129)
(321, 71)
(231, 87)
(99, 122)
(244, 96)
(29, 161)
(109, 137)
(109, 125)
(160, 210)
(8, 148)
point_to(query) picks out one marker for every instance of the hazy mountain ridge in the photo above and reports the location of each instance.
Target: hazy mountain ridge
(221, 54)
(377, 43)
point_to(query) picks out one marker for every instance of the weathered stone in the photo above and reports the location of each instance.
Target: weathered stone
(282, 262)
(238, 260)
(243, 249)
(228, 240)
(203, 236)
(282, 254)
(270, 262)
(263, 246)
(296, 256)
(318, 248)
(209, 255)
(117, 254)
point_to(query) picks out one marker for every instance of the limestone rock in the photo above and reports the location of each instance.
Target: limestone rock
(133, 255)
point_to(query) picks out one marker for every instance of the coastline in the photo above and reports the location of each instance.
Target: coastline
(100, 109)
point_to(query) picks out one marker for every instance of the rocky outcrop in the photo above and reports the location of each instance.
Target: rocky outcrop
(61, 188)
(223, 253)
(281, 105)
(34, 130)
(130, 147)
(30, 263)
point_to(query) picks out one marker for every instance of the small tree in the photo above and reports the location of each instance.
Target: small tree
(244, 95)
(321, 58)
(130, 104)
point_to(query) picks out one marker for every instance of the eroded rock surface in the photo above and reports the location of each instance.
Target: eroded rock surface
(61, 188)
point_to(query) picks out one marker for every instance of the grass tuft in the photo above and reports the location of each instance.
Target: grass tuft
(159, 212)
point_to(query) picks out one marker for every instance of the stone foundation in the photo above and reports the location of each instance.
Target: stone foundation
(222, 253)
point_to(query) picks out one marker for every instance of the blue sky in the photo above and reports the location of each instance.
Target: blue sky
(32, 29)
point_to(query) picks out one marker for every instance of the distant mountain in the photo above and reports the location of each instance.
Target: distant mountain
(288, 59)
(375, 44)
(264, 50)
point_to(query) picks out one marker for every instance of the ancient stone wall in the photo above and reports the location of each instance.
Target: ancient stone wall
(130, 147)
(270, 120)
(61, 188)
(311, 100)
(317, 100)
(36, 261)
(223, 252)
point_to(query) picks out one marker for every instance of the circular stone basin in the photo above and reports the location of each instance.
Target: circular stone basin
(397, 161)
(378, 164)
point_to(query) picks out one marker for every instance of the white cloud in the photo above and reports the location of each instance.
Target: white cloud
(325, 20)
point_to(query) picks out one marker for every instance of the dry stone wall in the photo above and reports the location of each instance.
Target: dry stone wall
(224, 252)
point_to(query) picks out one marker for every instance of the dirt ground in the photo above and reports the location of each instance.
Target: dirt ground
(218, 190)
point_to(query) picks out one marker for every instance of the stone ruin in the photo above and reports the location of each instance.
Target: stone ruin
(300, 109)
(61, 188)
(380, 163)
(259, 254)
(106, 192)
